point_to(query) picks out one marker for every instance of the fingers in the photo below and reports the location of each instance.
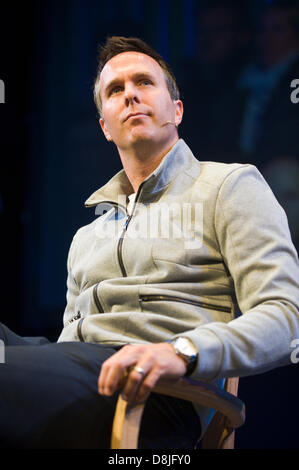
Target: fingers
(147, 385)
(113, 372)
(119, 371)
(137, 386)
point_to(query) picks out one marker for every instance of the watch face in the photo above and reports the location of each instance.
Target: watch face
(185, 347)
(187, 351)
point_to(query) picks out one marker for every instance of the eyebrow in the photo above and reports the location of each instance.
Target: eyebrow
(136, 76)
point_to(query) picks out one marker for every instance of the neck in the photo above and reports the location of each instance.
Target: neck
(139, 162)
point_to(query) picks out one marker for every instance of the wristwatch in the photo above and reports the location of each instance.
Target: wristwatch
(185, 349)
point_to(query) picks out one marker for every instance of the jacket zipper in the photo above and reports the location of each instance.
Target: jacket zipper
(99, 307)
(119, 247)
(121, 239)
(94, 291)
(96, 299)
(155, 297)
(119, 255)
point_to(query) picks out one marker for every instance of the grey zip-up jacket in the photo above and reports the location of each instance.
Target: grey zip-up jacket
(202, 239)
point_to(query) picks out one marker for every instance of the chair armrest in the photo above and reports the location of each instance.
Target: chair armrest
(127, 418)
(207, 395)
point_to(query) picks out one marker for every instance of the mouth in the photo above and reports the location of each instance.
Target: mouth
(134, 115)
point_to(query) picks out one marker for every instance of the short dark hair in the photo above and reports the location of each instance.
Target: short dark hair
(116, 45)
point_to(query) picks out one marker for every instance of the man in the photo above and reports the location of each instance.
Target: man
(144, 307)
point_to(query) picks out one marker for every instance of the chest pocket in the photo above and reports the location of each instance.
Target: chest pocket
(178, 231)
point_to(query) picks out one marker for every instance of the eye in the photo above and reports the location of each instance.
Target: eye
(145, 81)
(115, 90)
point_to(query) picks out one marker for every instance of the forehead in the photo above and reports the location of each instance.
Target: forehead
(126, 63)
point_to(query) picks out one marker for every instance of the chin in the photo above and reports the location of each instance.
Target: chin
(141, 136)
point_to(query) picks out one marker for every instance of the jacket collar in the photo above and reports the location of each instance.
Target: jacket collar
(178, 159)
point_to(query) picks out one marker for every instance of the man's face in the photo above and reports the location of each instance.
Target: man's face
(136, 103)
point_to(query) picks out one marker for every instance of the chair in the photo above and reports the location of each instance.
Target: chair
(230, 412)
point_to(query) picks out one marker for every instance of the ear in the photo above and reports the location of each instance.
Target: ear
(105, 130)
(179, 111)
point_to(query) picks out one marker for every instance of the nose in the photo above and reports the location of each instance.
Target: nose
(131, 95)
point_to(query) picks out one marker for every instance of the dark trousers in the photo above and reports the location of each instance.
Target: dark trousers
(49, 399)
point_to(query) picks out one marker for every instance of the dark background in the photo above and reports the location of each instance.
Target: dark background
(53, 153)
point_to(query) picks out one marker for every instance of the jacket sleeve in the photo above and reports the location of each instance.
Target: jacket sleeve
(255, 242)
(70, 327)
